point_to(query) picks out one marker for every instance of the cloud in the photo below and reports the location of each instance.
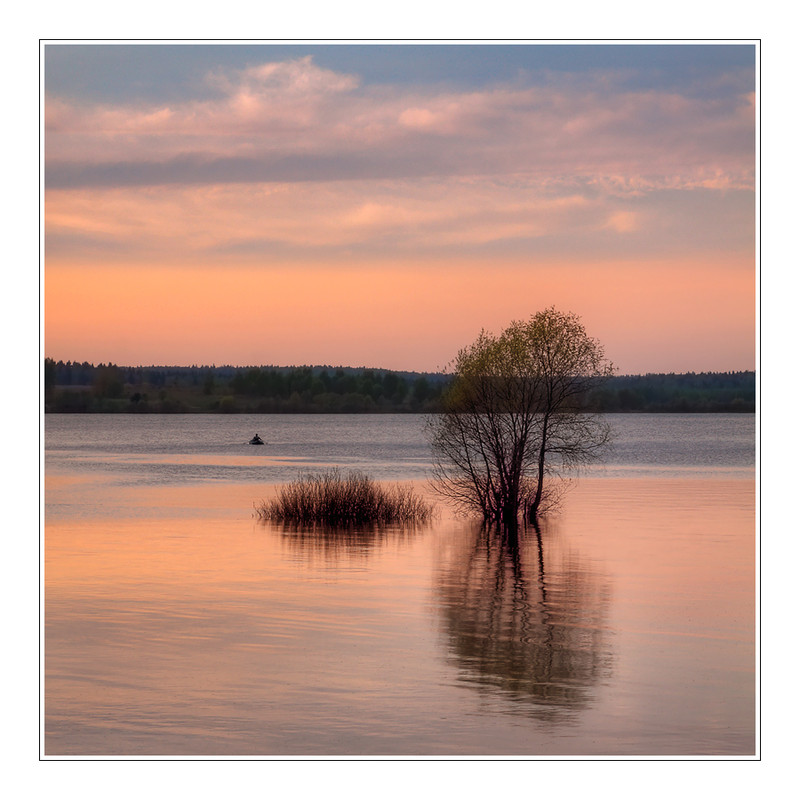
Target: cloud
(294, 121)
(300, 76)
(455, 216)
(287, 161)
(419, 215)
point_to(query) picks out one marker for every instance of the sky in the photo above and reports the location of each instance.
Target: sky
(380, 205)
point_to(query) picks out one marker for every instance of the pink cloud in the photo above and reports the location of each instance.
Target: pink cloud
(294, 109)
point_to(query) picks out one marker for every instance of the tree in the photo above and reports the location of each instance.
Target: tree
(108, 381)
(515, 414)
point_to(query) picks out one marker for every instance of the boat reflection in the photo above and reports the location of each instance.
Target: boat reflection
(523, 615)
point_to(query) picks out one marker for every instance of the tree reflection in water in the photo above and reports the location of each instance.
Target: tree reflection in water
(525, 616)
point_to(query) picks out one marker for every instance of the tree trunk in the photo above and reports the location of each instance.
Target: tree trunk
(533, 508)
(510, 512)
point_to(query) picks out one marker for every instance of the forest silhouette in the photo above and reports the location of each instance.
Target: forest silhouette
(82, 387)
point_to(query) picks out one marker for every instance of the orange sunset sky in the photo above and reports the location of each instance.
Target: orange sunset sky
(378, 205)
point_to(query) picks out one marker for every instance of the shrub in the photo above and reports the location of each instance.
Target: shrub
(353, 499)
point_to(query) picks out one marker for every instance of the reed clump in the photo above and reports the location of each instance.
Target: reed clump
(334, 498)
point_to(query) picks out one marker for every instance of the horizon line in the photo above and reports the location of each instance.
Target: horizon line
(360, 367)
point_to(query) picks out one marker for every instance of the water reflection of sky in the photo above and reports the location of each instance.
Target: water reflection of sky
(177, 623)
(154, 450)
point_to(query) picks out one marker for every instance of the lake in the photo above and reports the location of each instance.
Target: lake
(176, 623)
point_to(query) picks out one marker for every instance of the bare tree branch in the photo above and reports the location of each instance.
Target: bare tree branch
(514, 415)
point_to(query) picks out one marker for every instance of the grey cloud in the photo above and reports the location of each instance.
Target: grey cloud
(71, 242)
(185, 170)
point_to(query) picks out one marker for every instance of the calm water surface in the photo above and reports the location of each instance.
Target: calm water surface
(176, 623)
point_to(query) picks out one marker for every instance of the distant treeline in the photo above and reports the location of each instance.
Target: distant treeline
(73, 387)
(688, 392)
(108, 388)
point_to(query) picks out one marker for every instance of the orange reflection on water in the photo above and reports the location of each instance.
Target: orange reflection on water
(626, 628)
(683, 549)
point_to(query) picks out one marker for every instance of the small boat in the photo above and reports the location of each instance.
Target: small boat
(256, 440)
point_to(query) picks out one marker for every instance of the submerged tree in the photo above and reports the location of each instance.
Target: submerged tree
(515, 414)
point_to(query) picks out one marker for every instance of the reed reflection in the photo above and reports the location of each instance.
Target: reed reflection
(333, 544)
(524, 615)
